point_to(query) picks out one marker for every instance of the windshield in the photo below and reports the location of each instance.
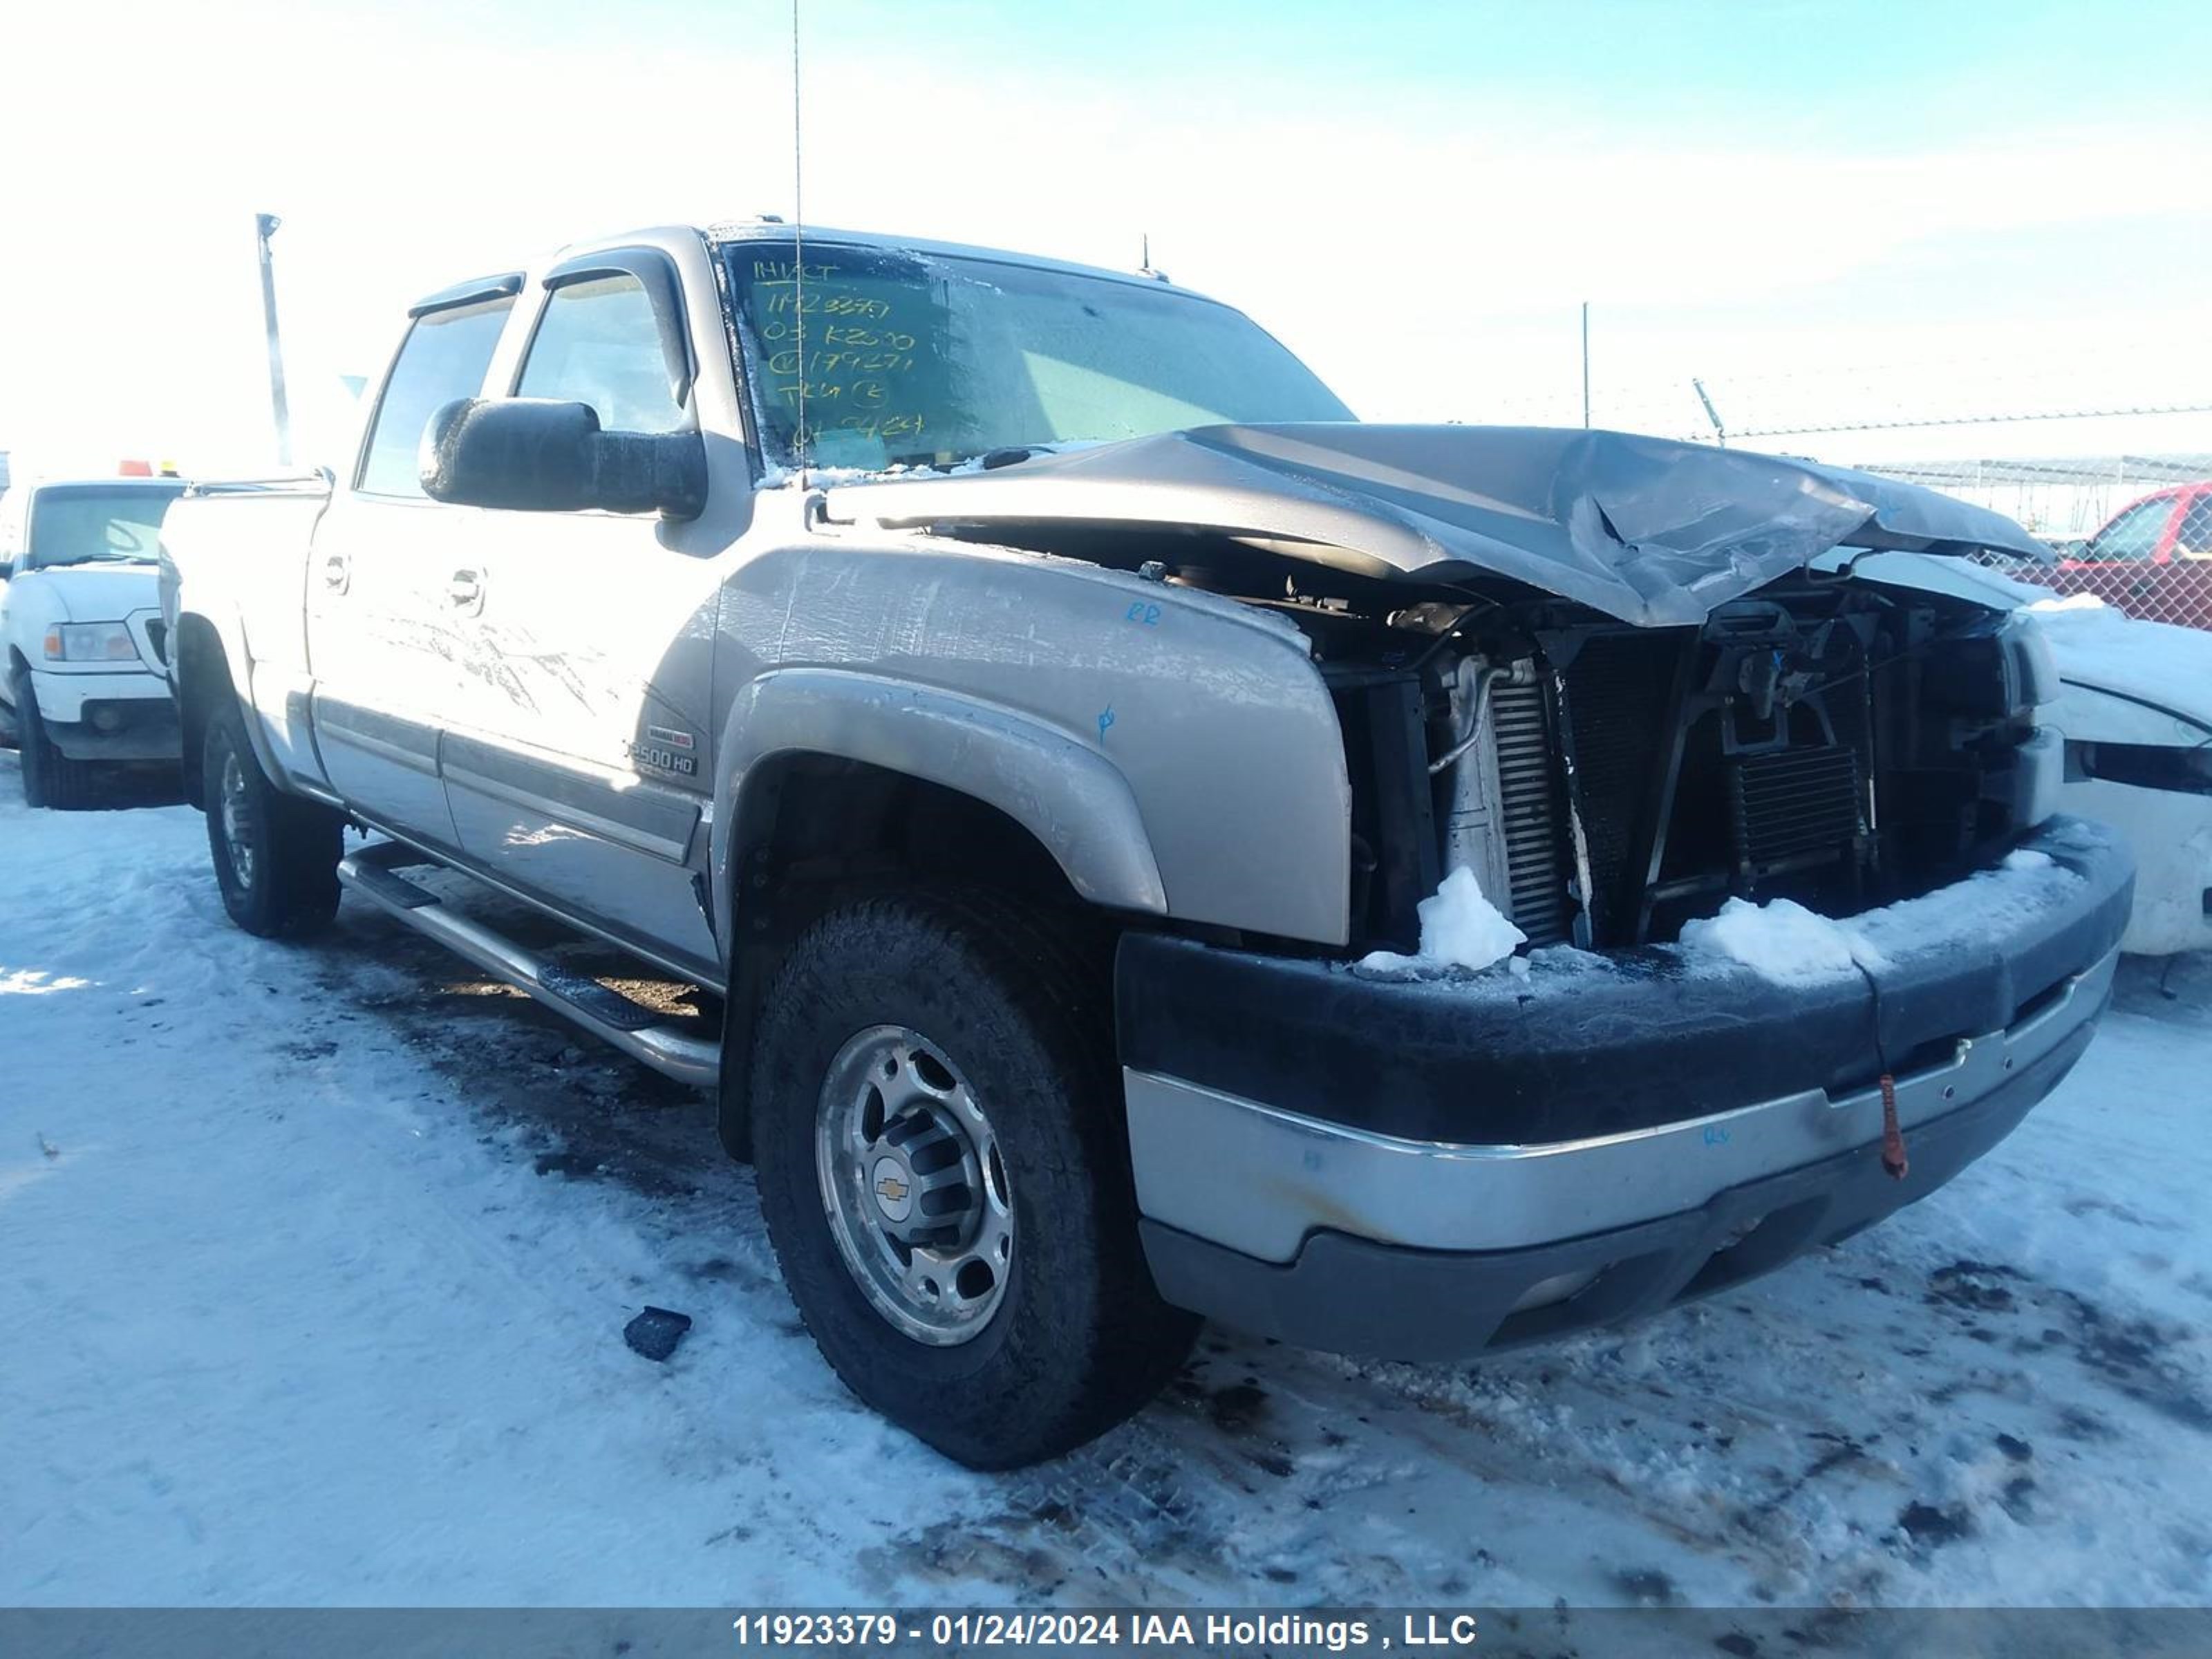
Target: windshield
(97, 526)
(932, 359)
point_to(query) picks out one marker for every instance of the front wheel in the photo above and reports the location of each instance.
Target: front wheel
(50, 777)
(945, 1176)
(275, 856)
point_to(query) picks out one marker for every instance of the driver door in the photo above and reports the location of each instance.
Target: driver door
(577, 759)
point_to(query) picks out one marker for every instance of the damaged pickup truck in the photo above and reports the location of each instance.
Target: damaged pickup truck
(1019, 697)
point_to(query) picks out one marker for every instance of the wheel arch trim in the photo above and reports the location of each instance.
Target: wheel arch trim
(229, 651)
(1076, 804)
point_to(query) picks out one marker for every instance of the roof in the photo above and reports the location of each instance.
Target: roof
(742, 230)
(775, 230)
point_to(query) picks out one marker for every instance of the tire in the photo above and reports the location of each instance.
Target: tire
(275, 856)
(50, 777)
(1074, 1338)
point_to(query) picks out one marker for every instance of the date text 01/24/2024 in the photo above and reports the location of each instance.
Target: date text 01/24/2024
(1085, 1630)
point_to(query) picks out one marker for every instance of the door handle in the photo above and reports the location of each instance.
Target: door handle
(337, 572)
(465, 590)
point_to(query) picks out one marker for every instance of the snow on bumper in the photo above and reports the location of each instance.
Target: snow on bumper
(1427, 1167)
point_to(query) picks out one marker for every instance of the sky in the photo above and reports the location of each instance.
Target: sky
(1831, 214)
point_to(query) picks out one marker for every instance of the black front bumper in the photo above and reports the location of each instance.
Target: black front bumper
(1426, 1168)
(1561, 1055)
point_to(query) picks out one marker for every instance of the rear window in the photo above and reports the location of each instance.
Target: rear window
(443, 358)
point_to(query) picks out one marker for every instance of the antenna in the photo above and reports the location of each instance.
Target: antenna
(1711, 414)
(798, 246)
(1145, 257)
(1586, 365)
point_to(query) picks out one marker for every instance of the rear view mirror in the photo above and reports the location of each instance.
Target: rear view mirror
(537, 455)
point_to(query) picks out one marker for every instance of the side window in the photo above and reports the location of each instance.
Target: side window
(2134, 534)
(443, 358)
(597, 344)
(2193, 540)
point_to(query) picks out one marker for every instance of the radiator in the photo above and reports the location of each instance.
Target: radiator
(1529, 816)
(1799, 804)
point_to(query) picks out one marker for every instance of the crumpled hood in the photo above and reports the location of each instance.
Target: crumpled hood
(1650, 531)
(96, 593)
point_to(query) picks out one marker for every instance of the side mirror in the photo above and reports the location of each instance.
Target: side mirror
(536, 455)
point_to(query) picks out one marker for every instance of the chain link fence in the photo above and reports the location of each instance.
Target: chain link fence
(2134, 530)
(2095, 437)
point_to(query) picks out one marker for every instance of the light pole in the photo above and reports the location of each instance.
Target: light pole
(264, 227)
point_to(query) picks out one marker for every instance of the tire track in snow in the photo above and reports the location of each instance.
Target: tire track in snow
(1831, 1434)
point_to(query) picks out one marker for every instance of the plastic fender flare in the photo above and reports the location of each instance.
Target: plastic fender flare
(1073, 800)
(229, 634)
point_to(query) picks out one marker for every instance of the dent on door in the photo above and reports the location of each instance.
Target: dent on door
(570, 774)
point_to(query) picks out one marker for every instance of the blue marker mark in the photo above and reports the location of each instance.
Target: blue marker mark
(1138, 612)
(1105, 720)
(1715, 1135)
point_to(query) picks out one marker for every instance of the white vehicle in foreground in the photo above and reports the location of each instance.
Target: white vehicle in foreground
(81, 681)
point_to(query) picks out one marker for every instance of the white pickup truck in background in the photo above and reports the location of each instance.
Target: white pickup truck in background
(81, 680)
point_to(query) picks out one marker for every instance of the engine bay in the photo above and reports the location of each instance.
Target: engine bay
(1821, 740)
(1833, 740)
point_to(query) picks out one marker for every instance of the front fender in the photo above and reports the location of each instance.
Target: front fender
(1075, 802)
(226, 629)
(1211, 714)
(33, 607)
(207, 660)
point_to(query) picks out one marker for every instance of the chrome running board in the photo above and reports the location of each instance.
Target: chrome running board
(639, 1031)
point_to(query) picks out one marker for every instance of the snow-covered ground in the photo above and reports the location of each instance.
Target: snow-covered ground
(314, 1262)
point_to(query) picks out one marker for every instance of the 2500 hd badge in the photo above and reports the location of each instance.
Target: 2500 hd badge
(666, 750)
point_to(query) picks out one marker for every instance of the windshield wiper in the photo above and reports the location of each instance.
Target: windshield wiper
(989, 460)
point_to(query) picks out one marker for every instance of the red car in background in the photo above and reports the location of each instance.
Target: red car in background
(2152, 560)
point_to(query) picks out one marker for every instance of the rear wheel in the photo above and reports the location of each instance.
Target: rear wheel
(50, 777)
(943, 1172)
(275, 856)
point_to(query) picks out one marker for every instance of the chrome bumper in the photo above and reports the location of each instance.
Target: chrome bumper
(1256, 1179)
